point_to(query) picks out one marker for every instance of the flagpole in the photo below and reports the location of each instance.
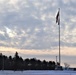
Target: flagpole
(59, 39)
(58, 22)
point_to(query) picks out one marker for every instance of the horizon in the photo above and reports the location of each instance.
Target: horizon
(49, 55)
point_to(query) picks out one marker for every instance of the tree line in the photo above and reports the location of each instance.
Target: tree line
(18, 63)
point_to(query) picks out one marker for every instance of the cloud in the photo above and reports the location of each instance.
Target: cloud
(30, 24)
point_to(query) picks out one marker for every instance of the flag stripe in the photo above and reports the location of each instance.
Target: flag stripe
(58, 18)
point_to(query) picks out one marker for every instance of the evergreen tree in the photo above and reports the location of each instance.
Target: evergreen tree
(17, 63)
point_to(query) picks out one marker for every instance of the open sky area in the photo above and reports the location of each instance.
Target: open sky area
(29, 27)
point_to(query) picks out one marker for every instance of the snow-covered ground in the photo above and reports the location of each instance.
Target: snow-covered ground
(46, 72)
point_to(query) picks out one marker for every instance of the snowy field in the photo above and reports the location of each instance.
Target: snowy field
(46, 72)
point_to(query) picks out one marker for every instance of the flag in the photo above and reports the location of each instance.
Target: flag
(58, 18)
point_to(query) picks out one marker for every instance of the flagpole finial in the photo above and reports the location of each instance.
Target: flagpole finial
(59, 9)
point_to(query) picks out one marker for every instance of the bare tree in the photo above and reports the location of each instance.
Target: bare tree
(66, 66)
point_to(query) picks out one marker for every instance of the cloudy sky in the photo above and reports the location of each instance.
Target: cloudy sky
(29, 27)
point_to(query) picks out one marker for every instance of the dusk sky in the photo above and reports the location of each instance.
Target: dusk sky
(29, 27)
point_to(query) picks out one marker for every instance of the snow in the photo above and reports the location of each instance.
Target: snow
(32, 72)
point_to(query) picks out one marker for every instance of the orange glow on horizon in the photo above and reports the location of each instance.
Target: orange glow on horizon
(64, 51)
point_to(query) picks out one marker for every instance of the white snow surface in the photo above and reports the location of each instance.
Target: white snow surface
(38, 72)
